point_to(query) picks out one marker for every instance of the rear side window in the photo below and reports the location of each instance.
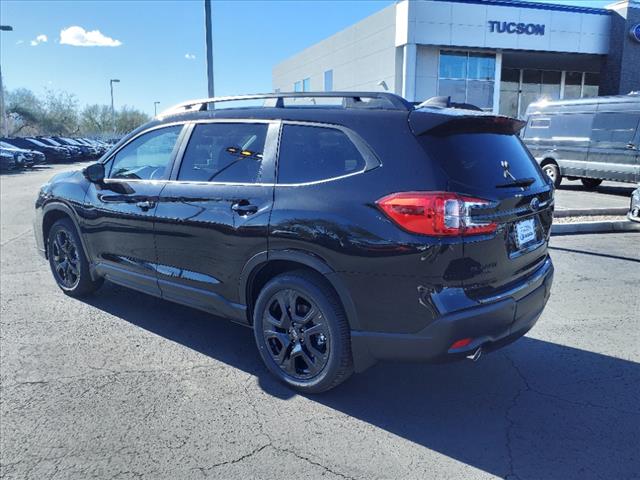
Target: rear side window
(615, 127)
(224, 152)
(309, 154)
(473, 161)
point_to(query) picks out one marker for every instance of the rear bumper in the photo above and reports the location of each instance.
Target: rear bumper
(492, 323)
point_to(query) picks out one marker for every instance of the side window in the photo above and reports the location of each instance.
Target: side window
(147, 157)
(615, 127)
(308, 154)
(224, 152)
(571, 125)
(538, 127)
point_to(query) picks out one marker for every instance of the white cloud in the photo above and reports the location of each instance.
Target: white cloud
(42, 38)
(189, 56)
(79, 37)
(19, 42)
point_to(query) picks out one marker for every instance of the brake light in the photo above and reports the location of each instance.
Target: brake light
(435, 213)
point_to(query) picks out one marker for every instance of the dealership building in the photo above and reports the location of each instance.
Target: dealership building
(500, 55)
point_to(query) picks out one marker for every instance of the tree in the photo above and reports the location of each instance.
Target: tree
(129, 118)
(95, 120)
(25, 111)
(56, 113)
(61, 113)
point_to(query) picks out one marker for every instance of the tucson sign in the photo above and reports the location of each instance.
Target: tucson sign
(517, 28)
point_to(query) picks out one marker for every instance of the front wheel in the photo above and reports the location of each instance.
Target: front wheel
(68, 261)
(302, 332)
(590, 183)
(552, 171)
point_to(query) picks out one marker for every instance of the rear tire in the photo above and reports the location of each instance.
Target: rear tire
(590, 183)
(302, 332)
(552, 171)
(68, 261)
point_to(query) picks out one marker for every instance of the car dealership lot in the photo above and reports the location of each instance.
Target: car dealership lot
(123, 385)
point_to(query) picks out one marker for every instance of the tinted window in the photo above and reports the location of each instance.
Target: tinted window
(472, 161)
(147, 157)
(308, 154)
(615, 127)
(571, 125)
(538, 127)
(224, 152)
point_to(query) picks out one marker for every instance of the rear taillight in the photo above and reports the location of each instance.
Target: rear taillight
(435, 213)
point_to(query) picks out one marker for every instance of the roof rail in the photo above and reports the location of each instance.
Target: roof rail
(382, 100)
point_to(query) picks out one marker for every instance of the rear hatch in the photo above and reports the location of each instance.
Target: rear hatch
(484, 158)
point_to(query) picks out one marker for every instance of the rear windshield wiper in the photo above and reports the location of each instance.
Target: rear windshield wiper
(520, 182)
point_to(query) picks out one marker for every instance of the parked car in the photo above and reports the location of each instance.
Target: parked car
(342, 236)
(75, 152)
(86, 151)
(634, 205)
(592, 139)
(24, 157)
(8, 160)
(51, 153)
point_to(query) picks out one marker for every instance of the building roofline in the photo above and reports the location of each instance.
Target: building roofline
(536, 5)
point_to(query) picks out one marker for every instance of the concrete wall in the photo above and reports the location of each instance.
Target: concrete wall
(621, 71)
(431, 22)
(360, 56)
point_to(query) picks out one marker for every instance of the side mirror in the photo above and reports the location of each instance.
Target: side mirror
(94, 173)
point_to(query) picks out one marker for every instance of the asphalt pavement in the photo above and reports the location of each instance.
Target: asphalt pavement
(572, 195)
(122, 385)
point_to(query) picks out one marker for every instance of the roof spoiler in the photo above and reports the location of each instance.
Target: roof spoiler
(439, 122)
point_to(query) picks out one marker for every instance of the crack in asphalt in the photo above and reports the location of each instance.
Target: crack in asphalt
(18, 236)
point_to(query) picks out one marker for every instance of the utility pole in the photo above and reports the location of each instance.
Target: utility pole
(4, 130)
(155, 108)
(209, 49)
(113, 111)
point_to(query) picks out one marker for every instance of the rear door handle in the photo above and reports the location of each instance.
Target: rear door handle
(145, 205)
(244, 208)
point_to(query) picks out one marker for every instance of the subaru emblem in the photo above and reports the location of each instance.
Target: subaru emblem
(534, 205)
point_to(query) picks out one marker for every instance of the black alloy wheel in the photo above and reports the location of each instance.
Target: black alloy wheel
(65, 259)
(296, 334)
(68, 261)
(302, 332)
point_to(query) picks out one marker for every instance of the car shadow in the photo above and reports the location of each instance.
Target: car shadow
(535, 409)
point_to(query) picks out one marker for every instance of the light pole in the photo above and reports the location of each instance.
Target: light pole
(155, 108)
(113, 112)
(209, 48)
(3, 117)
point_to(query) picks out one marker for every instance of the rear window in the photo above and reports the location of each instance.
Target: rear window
(473, 161)
(309, 154)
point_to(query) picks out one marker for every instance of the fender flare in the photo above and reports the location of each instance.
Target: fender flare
(258, 261)
(59, 206)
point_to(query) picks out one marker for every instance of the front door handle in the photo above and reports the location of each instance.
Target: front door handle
(631, 146)
(244, 208)
(145, 205)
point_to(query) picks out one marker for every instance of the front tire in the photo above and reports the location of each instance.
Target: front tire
(590, 183)
(552, 171)
(302, 332)
(68, 261)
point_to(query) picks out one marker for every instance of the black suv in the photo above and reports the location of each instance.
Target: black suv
(344, 228)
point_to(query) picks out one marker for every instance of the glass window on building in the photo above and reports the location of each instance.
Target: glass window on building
(306, 85)
(572, 85)
(509, 91)
(467, 77)
(591, 84)
(328, 81)
(297, 87)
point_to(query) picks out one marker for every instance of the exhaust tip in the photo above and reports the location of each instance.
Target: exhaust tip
(475, 356)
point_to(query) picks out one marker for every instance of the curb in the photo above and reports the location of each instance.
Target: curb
(589, 212)
(595, 227)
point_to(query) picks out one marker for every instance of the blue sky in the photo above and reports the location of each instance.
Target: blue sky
(156, 36)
